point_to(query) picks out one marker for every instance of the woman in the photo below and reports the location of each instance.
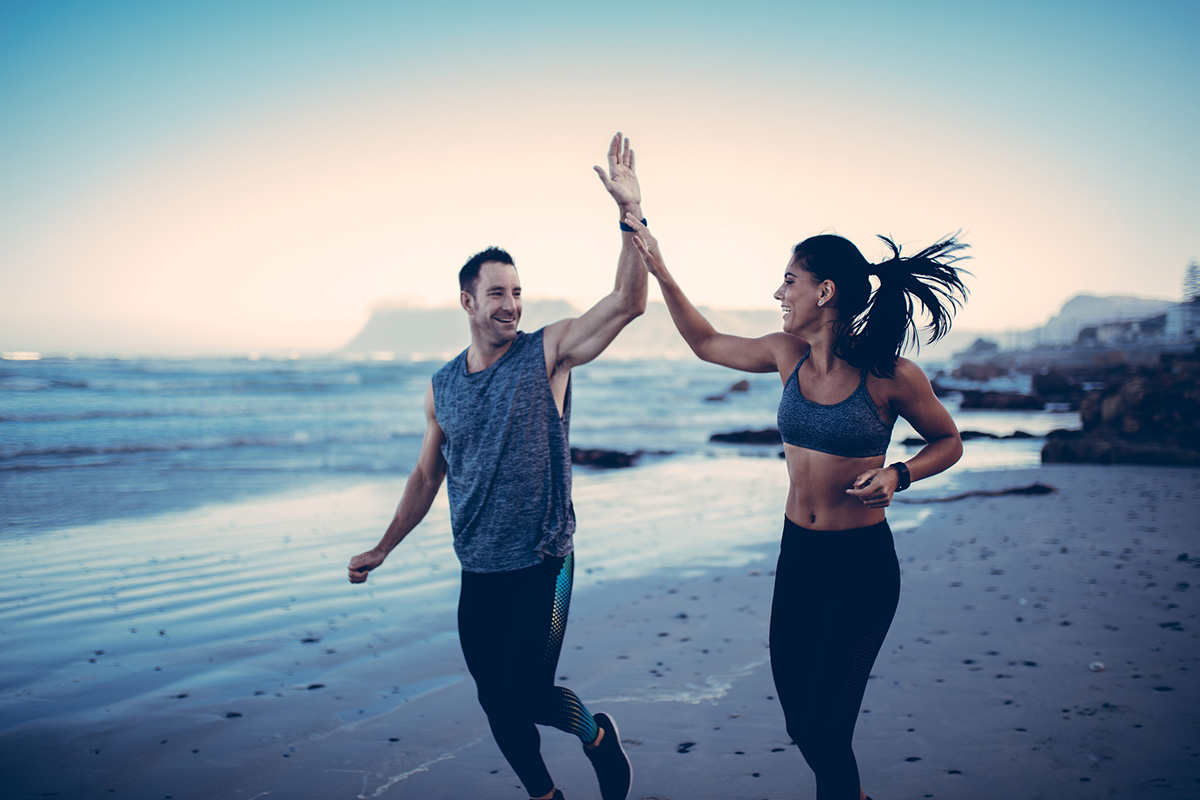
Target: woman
(838, 581)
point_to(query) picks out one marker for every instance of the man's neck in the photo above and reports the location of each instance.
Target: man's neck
(482, 354)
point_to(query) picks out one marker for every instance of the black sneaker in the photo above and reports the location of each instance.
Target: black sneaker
(610, 762)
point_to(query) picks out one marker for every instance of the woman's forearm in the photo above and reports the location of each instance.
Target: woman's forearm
(935, 457)
(691, 324)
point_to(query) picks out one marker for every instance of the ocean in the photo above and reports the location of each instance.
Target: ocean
(87, 440)
(180, 528)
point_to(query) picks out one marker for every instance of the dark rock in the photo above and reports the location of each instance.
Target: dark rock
(739, 387)
(1002, 401)
(1143, 415)
(1056, 386)
(1102, 449)
(979, 371)
(764, 436)
(916, 441)
(605, 459)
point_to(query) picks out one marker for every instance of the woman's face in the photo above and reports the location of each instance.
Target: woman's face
(797, 296)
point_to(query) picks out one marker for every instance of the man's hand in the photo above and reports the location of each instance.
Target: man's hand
(875, 487)
(363, 563)
(620, 180)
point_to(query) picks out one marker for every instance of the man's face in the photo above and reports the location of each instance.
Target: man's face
(495, 308)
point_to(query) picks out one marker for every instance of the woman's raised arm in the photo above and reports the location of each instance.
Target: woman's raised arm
(762, 354)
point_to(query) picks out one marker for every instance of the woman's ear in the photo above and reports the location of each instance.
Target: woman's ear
(826, 292)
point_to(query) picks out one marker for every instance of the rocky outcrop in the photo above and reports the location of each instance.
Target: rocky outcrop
(966, 436)
(1001, 401)
(1145, 416)
(1057, 386)
(737, 388)
(764, 436)
(604, 459)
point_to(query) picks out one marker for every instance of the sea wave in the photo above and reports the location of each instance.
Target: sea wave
(294, 439)
(21, 383)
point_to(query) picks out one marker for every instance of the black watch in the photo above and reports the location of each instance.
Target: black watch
(905, 476)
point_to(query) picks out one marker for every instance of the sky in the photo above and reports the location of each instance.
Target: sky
(223, 177)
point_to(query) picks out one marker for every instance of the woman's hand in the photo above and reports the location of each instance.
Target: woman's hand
(875, 487)
(647, 246)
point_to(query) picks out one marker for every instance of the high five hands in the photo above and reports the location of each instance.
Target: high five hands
(621, 180)
(647, 246)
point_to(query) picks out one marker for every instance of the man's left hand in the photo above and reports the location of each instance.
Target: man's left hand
(621, 180)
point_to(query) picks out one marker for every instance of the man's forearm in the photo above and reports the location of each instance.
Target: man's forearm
(415, 503)
(631, 279)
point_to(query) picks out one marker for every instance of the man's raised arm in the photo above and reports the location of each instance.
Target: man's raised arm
(578, 341)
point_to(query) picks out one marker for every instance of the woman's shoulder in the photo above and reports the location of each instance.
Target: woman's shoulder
(907, 379)
(789, 350)
(907, 369)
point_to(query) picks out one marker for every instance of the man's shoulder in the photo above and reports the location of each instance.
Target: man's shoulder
(525, 339)
(449, 367)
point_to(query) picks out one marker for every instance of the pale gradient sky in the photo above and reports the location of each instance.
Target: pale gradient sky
(229, 176)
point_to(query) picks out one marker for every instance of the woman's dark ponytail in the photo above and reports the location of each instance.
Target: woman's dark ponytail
(875, 326)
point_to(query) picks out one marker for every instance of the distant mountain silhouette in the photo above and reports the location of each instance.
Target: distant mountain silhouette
(441, 333)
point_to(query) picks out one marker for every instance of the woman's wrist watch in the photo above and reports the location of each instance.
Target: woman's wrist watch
(905, 476)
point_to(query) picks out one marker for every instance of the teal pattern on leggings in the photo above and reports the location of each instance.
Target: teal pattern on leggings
(567, 711)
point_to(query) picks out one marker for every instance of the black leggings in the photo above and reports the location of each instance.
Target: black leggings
(511, 627)
(835, 595)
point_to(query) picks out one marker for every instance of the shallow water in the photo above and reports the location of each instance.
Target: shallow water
(88, 440)
(182, 528)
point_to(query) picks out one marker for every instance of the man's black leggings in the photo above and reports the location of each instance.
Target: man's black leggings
(835, 595)
(511, 627)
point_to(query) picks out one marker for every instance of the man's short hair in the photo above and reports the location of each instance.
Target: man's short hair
(468, 276)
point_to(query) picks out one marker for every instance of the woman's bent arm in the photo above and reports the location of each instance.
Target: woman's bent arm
(917, 403)
(913, 399)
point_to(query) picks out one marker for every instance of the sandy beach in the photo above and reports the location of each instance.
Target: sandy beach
(1042, 648)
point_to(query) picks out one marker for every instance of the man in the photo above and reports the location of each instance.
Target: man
(497, 423)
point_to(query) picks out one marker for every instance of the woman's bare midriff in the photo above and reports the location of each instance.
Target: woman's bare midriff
(817, 496)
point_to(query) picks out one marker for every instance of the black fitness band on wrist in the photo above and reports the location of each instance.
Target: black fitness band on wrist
(629, 229)
(905, 476)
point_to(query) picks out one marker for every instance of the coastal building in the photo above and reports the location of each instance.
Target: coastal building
(1183, 322)
(1141, 331)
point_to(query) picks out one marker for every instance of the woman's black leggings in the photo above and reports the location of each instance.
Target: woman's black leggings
(511, 627)
(835, 595)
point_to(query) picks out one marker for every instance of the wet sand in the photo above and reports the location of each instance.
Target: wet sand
(1044, 647)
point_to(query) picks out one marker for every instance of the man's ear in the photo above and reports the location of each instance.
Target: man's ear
(468, 302)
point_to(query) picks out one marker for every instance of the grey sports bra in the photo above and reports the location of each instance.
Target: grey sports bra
(851, 428)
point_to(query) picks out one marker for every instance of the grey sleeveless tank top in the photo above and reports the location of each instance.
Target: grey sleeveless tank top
(508, 459)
